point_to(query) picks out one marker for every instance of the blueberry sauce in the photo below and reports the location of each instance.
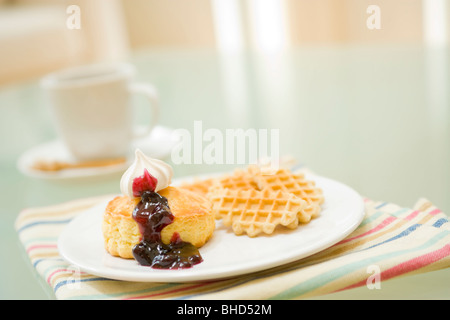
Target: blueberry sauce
(152, 214)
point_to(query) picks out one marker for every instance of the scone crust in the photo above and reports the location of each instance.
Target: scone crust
(120, 231)
(193, 220)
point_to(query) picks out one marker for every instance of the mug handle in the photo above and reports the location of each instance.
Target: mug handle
(150, 92)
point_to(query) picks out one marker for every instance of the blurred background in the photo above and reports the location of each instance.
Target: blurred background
(110, 29)
(359, 89)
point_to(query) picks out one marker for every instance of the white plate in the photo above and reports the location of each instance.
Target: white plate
(225, 255)
(158, 144)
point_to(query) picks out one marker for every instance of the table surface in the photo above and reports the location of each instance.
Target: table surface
(376, 118)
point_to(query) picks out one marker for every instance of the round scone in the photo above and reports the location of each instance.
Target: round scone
(193, 221)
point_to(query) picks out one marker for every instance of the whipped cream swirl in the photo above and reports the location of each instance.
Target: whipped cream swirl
(157, 168)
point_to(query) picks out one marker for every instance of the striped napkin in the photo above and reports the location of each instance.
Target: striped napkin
(390, 242)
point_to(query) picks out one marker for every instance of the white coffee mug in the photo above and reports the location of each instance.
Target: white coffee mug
(92, 109)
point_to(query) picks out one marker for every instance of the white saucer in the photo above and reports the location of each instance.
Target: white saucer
(225, 255)
(158, 144)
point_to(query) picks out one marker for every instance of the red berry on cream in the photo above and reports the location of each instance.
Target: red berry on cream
(153, 173)
(146, 182)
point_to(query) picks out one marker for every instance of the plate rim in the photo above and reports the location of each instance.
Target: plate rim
(184, 276)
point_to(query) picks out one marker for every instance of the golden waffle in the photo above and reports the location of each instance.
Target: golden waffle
(294, 183)
(200, 187)
(252, 211)
(240, 179)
